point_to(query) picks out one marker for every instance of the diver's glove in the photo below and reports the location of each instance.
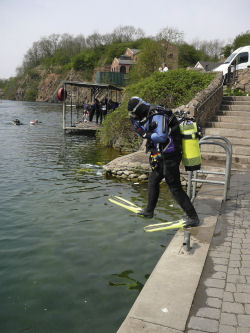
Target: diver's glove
(139, 129)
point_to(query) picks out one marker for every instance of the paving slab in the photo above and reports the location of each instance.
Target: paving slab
(167, 296)
(231, 233)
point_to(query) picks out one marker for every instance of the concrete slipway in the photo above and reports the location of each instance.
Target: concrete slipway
(163, 306)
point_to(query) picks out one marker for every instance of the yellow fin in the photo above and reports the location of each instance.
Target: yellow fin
(165, 226)
(125, 204)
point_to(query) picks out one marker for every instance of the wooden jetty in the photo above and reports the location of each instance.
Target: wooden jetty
(88, 128)
(76, 94)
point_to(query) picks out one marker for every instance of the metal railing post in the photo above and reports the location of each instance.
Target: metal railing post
(192, 181)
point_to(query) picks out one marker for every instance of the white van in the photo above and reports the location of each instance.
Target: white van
(239, 58)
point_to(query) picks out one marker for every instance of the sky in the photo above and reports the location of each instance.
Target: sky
(23, 22)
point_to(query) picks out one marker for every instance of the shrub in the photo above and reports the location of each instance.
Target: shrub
(31, 94)
(84, 60)
(117, 130)
(170, 89)
(236, 92)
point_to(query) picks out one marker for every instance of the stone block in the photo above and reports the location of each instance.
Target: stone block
(207, 312)
(227, 329)
(214, 302)
(236, 308)
(243, 288)
(244, 321)
(234, 263)
(241, 297)
(220, 261)
(245, 263)
(218, 254)
(228, 319)
(234, 271)
(236, 278)
(219, 275)
(214, 283)
(231, 287)
(242, 330)
(228, 297)
(247, 308)
(245, 271)
(204, 324)
(220, 268)
(214, 292)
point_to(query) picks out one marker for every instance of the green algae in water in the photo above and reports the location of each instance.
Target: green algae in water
(84, 171)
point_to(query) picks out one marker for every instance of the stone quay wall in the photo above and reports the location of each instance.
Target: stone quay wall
(135, 166)
(242, 80)
(206, 103)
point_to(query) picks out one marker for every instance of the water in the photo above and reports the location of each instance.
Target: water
(70, 260)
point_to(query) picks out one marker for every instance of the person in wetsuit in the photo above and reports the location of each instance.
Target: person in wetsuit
(161, 129)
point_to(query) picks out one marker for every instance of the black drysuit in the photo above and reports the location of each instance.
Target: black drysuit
(167, 163)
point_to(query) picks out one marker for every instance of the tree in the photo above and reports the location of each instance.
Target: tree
(242, 40)
(166, 37)
(94, 40)
(148, 60)
(115, 50)
(127, 33)
(85, 60)
(188, 55)
(170, 35)
(227, 50)
(209, 50)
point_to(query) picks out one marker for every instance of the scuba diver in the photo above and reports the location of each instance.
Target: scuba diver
(164, 141)
(16, 122)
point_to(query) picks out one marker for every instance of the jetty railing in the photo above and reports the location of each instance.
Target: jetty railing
(193, 175)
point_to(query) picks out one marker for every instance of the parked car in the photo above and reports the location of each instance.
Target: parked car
(239, 59)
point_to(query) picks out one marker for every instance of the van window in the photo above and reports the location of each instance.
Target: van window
(228, 60)
(242, 57)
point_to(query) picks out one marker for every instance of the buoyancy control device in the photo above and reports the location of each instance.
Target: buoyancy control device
(191, 133)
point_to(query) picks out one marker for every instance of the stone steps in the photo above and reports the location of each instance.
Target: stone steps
(235, 107)
(236, 98)
(242, 161)
(227, 132)
(232, 119)
(233, 102)
(237, 149)
(233, 113)
(233, 122)
(235, 125)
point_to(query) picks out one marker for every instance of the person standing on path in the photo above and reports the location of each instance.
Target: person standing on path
(164, 67)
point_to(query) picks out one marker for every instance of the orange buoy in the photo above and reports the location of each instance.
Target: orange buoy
(62, 94)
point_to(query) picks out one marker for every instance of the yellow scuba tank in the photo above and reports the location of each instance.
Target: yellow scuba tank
(191, 155)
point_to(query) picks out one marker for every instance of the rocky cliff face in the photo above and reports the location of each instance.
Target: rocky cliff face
(45, 84)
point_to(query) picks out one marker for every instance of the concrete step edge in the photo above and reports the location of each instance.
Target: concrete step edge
(231, 126)
(227, 133)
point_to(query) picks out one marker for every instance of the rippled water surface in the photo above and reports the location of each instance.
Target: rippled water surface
(70, 260)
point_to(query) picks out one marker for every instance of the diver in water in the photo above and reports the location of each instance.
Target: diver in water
(17, 122)
(161, 129)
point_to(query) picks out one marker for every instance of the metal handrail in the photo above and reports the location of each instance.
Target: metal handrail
(228, 148)
(229, 159)
(210, 96)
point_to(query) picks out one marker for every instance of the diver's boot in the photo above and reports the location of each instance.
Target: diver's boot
(192, 222)
(145, 213)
